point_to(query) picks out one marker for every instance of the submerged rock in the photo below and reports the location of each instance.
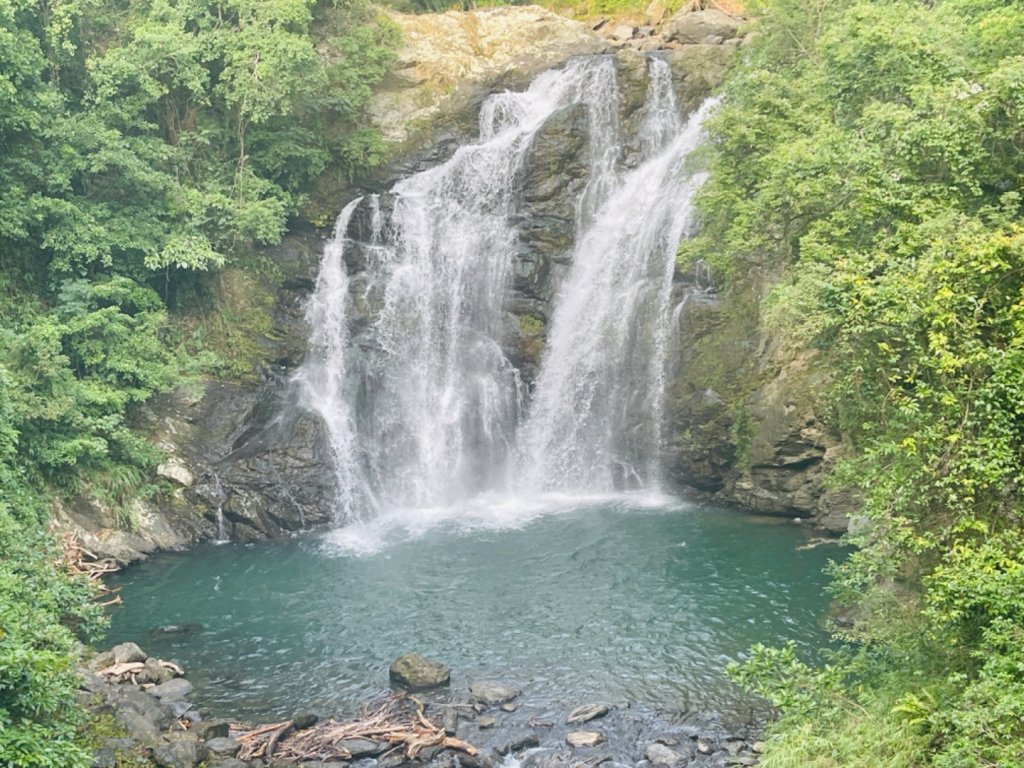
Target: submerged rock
(416, 672)
(517, 742)
(586, 713)
(663, 757)
(492, 693)
(176, 629)
(584, 738)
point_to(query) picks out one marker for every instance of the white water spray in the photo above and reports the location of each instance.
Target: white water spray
(430, 412)
(596, 419)
(323, 374)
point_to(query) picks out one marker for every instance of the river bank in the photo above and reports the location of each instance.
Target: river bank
(637, 608)
(483, 725)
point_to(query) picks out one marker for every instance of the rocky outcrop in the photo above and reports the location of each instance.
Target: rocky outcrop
(243, 462)
(448, 62)
(246, 461)
(748, 427)
(710, 26)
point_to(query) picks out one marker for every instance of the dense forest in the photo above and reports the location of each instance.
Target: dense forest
(871, 153)
(868, 154)
(145, 145)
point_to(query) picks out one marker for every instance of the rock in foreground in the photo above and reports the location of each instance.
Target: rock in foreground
(417, 673)
(492, 693)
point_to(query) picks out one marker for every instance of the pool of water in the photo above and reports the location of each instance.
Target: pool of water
(623, 599)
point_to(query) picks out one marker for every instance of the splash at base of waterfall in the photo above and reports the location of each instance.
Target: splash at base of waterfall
(490, 511)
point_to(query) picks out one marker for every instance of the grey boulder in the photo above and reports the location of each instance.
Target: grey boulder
(172, 690)
(492, 693)
(415, 672)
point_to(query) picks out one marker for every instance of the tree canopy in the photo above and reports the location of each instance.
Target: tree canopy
(871, 152)
(142, 145)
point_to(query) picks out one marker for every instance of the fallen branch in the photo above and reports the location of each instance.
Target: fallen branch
(399, 720)
(268, 751)
(79, 561)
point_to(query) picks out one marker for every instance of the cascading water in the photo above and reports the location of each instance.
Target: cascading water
(419, 290)
(425, 409)
(323, 373)
(596, 418)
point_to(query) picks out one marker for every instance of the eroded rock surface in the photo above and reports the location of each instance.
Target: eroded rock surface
(246, 461)
(450, 60)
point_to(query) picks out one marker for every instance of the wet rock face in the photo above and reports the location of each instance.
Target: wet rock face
(246, 461)
(747, 427)
(554, 175)
(276, 476)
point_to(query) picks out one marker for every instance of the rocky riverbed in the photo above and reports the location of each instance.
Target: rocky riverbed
(490, 723)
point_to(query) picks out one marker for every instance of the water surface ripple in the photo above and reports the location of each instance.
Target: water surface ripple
(609, 599)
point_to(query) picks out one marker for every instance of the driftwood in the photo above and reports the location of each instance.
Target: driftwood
(79, 561)
(398, 720)
(126, 671)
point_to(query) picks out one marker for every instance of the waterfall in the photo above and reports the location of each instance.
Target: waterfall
(322, 375)
(596, 419)
(424, 408)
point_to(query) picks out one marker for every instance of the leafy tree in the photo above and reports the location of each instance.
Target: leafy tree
(143, 145)
(871, 151)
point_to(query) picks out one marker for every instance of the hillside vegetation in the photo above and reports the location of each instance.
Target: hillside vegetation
(871, 152)
(144, 145)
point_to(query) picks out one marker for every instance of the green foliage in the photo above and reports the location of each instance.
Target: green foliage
(872, 152)
(38, 604)
(169, 136)
(843, 715)
(144, 144)
(73, 375)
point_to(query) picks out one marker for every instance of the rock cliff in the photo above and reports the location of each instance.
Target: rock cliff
(748, 423)
(245, 461)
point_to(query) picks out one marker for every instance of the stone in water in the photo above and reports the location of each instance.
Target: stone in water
(415, 672)
(584, 738)
(586, 713)
(492, 693)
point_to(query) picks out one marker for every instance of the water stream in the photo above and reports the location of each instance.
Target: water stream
(596, 420)
(435, 413)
